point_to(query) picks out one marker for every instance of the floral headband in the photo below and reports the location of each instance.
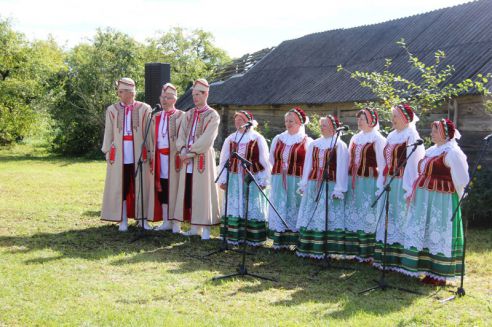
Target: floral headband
(405, 111)
(371, 116)
(301, 115)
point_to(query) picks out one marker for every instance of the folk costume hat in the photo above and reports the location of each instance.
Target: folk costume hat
(248, 116)
(126, 84)
(407, 114)
(371, 115)
(300, 114)
(168, 88)
(404, 111)
(333, 120)
(201, 84)
(447, 129)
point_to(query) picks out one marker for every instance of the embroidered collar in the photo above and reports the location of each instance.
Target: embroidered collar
(132, 105)
(202, 110)
(290, 139)
(169, 112)
(325, 142)
(437, 150)
(369, 137)
(398, 137)
(248, 136)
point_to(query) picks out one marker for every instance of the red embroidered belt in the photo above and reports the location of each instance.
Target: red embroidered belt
(164, 151)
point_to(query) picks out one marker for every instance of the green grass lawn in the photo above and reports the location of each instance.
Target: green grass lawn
(61, 265)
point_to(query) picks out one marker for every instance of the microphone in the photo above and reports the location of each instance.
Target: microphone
(247, 125)
(486, 138)
(417, 142)
(343, 128)
(156, 109)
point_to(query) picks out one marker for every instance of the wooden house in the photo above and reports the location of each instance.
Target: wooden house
(303, 72)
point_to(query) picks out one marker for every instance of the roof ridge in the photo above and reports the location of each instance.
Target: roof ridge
(387, 21)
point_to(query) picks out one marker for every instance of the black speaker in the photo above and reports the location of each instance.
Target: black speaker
(156, 75)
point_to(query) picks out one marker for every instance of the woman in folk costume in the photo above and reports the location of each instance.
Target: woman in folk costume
(123, 137)
(165, 161)
(365, 178)
(396, 153)
(311, 221)
(287, 154)
(197, 197)
(252, 147)
(433, 244)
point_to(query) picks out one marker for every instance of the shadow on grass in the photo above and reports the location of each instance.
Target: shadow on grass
(96, 243)
(51, 158)
(340, 288)
(294, 274)
(92, 243)
(92, 213)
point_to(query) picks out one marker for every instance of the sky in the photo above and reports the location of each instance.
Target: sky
(239, 27)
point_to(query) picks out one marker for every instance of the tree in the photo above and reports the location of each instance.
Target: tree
(93, 68)
(191, 54)
(27, 74)
(89, 87)
(430, 89)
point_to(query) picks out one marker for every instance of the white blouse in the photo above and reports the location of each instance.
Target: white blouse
(323, 144)
(410, 174)
(262, 177)
(128, 157)
(289, 140)
(163, 143)
(373, 136)
(455, 159)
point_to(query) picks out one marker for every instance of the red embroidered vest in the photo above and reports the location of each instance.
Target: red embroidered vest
(252, 155)
(394, 155)
(435, 175)
(296, 158)
(368, 163)
(315, 172)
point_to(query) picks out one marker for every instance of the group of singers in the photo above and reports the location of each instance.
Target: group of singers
(303, 178)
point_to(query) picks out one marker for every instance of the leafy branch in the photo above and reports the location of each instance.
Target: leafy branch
(428, 91)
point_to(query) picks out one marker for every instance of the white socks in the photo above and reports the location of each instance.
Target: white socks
(124, 219)
(176, 227)
(206, 233)
(197, 230)
(194, 230)
(166, 224)
(145, 224)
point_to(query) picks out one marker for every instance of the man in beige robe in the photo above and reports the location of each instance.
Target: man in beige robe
(123, 138)
(197, 198)
(165, 161)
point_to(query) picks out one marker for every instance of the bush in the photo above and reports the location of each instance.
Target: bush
(28, 82)
(477, 208)
(90, 87)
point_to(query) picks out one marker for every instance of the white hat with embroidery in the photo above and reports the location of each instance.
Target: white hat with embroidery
(126, 84)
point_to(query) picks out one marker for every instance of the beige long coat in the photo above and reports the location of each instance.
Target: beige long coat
(155, 209)
(113, 134)
(205, 206)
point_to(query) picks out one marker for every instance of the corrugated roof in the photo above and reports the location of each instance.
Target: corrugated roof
(304, 70)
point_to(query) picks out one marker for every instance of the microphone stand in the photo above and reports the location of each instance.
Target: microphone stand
(139, 171)
(461, 291)
(382, 284)
(241, 270)
(326, 264)
(224, 246)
